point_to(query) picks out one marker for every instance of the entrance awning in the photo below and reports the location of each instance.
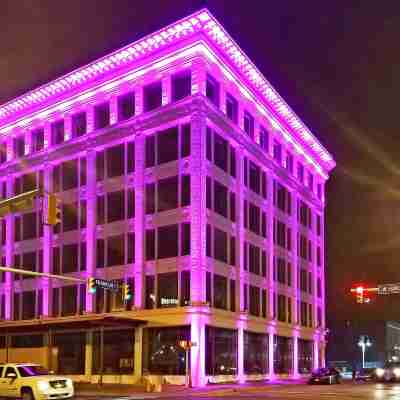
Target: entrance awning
(73, 322)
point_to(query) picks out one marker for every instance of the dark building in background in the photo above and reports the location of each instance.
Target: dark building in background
(343, 348)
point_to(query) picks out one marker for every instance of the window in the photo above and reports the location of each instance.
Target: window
(100, 165)
(115, 250)
(78, 124)
(232, 251)
(115, 206)
(167, 194)
(150, 198)
(150, 244)
(254, 218)
(69, 297)
(181, 85)
(300, 172)
(220, 199)
(232, 108)
(100, 258)
(126, 106)
(185, 288)
(167, 290)
(102, 115)
(185, 239)
(212, 90)
(167, 146)
(131, 157)
(115, 160)
(37, 140)
(220, 245)
(150, 150)
(232, 164)
(248, 124)
(69, 217)
(69, 174)
(311, 181)
(319, 191)
(220, 292)
(232, 206)
(167, 241)
(254, 177)
(318, 225)
(70, 258)
(254, 259)
(277, 152)
(185, 190)
(281, 308)
(220, 152)
(57, 132)
(152, 96)
(254, 300)
(19, 146)
(264, 139)
(289, 162)
(29, 226)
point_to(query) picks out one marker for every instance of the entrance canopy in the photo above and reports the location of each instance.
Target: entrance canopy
(63, 323)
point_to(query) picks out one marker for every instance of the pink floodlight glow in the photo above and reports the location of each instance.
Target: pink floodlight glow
(201, 21)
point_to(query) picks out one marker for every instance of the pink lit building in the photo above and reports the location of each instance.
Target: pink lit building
(183, 172)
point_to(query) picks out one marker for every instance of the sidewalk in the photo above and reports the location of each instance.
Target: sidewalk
(120, 390)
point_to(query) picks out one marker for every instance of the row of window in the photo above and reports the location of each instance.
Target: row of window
(220, 200)
(254, 259)
(282, 271)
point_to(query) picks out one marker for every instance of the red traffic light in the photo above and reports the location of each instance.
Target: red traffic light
(359, 289)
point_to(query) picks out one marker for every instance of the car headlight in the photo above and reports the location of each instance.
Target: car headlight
(379, 372)
(396, 372)
(69, 383)
(43, 386)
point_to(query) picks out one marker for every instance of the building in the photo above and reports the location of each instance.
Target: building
(183, 172)
(344, 337)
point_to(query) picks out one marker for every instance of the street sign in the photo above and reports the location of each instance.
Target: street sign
(114, 286)
(390, 288)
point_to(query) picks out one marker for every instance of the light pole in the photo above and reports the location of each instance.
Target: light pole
(364, 342)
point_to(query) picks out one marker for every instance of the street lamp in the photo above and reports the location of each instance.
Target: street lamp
(364, 342)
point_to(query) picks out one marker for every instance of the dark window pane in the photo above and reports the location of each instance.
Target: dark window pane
(56, 260)
(82, 250)
(232, 294)
(102, 116)
(220, 152)
(115, 206)
(131, 203)
(57, 132)
(150, 244)
(19, 146)
(100, 166)
(232, 152)
(150, 198)
(100, 259)
(29, 226)
(185, 239)
(220, 245)
(254, 177)
(126, 106)
(167, 194)
(181, 85)
(185, 141)
(28, 304)
(220, 199)
(115, 250)
(70, 174)
(185, 191)
(70, 258)
(209, 144)
(82, 181)
(28, 182)
(220, 292)
(248, 124)
(185, 288)
(152, 96)
(167, 241)
(212, 90)
(167, 146)
(150, 151)
(167, 289)
(37, 140)
(100, 209)
(69, 217)
(78, 124)
(69, 297)
(254, 301)
(131, 157)
(232, 204)
(131, 247)
(150, 292)
(231, 108)
(115, 160)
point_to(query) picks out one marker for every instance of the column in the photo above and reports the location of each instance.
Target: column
(316, 352)
(138, 351)
(28, 142)
(140, 222)
(47, 247)
(166, 89)
(89, 355)
(270, 241)
(198, 208)
(90, 224)
(295, 372)
(198, 352)
(9, 254)
(139, 98)
(199, 76)
(240, 229)
(67, 127)
(271, 334)
(241, 355)
(113, 110)
(295, 264)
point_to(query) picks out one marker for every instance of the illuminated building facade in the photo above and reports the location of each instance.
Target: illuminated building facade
(182, 172)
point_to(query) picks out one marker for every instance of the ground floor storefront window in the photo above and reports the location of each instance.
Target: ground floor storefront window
(221, 351)
(283, 355)
(118, 352)
(68, 353)
(305, 352)
(161, 351)
(255, 353)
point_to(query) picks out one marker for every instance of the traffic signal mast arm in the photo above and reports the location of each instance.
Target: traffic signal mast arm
(41, 274)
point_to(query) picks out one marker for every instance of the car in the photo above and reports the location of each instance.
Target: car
(33, 382)
(389, 373)
(365, 374)
(325, 376)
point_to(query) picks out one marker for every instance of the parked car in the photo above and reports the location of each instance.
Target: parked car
(33, 382)
(389, 373)
(325, 376)
(366, 374)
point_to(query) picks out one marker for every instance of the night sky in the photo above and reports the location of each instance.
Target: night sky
(336, 64)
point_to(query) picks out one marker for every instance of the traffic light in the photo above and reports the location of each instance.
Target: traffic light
(91, 284)
(360, 294)
(52, 210)
(126, 292)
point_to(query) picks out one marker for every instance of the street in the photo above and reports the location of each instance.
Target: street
(344, 391)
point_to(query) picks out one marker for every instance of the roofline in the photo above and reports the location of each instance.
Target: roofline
(200, 21)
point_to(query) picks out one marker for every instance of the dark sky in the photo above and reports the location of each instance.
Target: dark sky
(337, 65)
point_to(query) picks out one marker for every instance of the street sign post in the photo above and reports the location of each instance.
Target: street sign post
(187, 345)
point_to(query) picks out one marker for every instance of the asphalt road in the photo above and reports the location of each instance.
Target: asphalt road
(344, 391)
